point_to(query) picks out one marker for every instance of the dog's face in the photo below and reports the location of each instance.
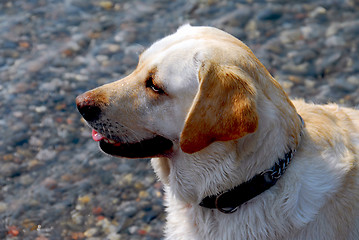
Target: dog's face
(189, 90)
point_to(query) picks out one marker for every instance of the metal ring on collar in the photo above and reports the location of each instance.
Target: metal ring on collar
(226, 210)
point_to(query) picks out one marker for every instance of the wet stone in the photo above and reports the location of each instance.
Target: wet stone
(269, 14)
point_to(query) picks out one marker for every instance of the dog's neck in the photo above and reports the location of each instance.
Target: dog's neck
(230, 200)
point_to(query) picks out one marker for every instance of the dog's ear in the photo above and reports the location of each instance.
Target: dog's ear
(224, 108)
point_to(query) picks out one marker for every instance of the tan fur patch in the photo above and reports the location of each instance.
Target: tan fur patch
(224, 108)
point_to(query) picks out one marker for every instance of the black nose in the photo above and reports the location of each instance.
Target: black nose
(88, 107)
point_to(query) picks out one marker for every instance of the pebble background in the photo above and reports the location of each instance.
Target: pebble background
(54, 181)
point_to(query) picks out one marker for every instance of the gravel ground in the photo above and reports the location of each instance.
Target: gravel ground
(54, 181)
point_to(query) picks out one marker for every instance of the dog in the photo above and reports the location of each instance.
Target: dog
(238, 159)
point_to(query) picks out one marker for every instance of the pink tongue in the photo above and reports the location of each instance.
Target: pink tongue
(96, 136)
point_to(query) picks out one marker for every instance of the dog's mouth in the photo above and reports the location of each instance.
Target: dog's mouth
(153, 147)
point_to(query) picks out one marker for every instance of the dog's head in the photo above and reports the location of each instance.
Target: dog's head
(190, 89)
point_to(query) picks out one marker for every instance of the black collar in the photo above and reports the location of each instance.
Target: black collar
(231, 200)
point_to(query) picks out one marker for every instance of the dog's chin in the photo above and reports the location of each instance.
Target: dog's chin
(154, 147)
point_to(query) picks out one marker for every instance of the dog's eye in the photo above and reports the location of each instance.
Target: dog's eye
(151, 84)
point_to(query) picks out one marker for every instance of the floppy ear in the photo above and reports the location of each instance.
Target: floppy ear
(224, 108)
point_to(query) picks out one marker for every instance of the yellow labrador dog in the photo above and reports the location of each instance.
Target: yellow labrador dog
(238, 158)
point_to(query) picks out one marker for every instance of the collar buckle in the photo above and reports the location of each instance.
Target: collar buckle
(224, 209)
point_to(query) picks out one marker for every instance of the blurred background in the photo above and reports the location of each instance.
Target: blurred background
(54, 181)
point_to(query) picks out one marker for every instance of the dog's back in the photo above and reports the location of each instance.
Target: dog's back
(332, 141)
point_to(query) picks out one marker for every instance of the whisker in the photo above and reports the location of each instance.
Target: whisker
(132, 132)
(128, 135)
(103, 128)
(109, 133)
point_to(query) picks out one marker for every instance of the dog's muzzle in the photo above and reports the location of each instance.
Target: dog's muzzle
(91, 107)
